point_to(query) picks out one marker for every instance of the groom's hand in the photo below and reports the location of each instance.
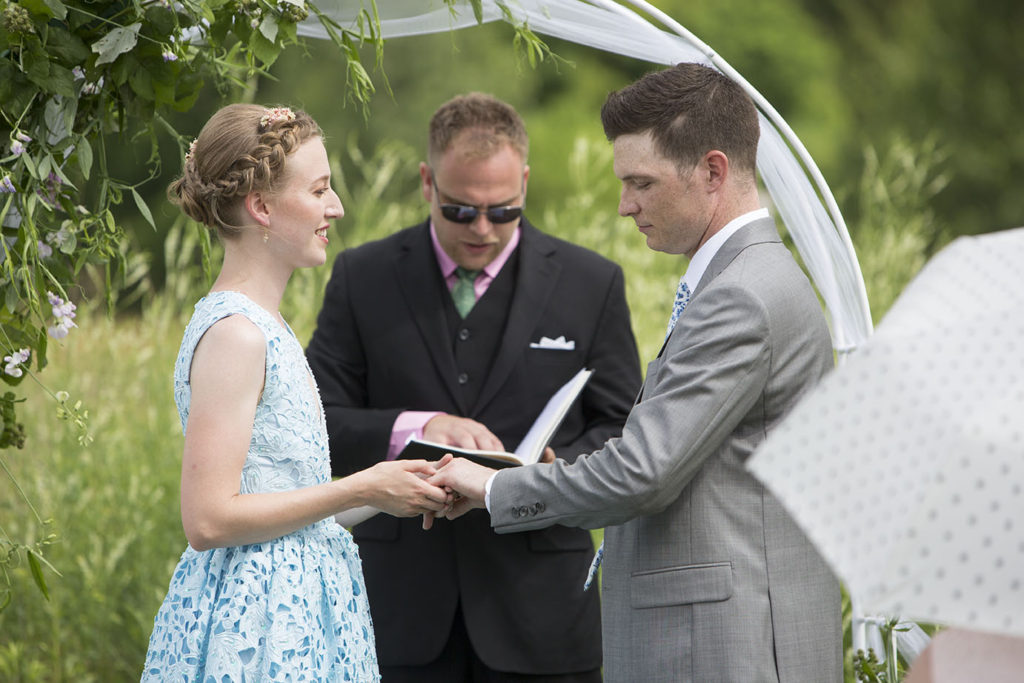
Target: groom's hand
(467, 480)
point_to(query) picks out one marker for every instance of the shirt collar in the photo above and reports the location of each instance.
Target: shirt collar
(491, 269)
(706, 252)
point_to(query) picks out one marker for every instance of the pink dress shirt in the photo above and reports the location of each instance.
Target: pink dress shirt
(409, 424)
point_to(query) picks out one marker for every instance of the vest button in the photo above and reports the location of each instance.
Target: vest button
(463, 334)
(463, 378)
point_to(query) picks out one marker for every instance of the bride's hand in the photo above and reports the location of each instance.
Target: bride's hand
(401, 488)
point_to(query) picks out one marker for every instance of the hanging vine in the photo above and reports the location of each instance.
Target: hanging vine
(74, 73)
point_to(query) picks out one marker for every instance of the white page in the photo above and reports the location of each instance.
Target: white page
(532, 445)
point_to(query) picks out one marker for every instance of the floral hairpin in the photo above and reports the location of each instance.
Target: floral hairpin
(191, 150)
(276, 115)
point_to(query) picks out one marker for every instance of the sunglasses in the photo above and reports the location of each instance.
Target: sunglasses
(460, 213)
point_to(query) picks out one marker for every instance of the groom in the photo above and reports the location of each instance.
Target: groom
(706, 577)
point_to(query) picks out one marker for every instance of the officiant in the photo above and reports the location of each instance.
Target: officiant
(458, 330)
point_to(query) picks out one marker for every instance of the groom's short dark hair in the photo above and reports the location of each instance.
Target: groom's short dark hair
(690, 109)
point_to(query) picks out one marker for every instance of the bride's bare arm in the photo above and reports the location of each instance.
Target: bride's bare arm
(226, 379)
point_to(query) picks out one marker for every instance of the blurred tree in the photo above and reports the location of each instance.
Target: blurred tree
(947, 70)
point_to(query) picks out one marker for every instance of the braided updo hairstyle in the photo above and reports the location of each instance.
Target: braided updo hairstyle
(241, 149)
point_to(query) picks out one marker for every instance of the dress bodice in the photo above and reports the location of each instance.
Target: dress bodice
(289, 436)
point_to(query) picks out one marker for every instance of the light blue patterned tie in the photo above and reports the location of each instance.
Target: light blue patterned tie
(682, 298)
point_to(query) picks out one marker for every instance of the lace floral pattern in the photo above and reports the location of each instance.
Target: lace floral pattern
(291, 609)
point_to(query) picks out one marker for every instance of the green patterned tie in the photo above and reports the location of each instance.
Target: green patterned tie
(463, 292)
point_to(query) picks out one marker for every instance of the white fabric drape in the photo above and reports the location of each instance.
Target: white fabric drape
(801, 196)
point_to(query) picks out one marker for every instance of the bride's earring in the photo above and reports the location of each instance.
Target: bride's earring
(266, 235)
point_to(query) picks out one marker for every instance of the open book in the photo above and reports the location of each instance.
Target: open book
(529, 450)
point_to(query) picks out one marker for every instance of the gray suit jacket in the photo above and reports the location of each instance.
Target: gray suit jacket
(705, 576)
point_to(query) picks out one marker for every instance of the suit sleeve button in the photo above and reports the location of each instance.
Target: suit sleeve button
(463, 378)
(539, 507)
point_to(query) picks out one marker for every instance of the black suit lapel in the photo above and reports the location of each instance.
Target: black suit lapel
(538, 273)
(419, 277)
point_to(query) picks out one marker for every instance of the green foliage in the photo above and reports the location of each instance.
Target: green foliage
(869, 668)
(896, 228)
(75, 75)
(115, 503)
(923, 70)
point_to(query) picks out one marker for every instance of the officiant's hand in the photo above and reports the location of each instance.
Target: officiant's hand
(548, 455)
(466, 479)
(461, 432)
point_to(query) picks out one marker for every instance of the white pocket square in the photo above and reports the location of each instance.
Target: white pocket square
(559, 344)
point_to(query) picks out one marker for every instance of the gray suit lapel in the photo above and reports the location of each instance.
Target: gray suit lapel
(757, 232)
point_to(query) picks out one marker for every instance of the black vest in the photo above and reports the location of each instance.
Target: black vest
(475, 339)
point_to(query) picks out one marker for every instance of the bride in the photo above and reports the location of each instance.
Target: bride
(269, 587)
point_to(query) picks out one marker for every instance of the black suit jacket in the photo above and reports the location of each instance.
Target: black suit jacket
(384, 344)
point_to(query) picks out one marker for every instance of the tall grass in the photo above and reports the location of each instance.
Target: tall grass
(115, 501)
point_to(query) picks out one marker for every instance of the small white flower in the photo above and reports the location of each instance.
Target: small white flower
(169, 56)
(17, 148)
(60, 330)
(45, 250)
(78, 73)
(92, 88)
(59, 238)
(64, 314)
(6, 186)
(14, 360)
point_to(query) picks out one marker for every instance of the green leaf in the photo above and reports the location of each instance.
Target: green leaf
(268, 27)
(264, 50)
(40, 7)
(35, 61)
(143, 208)
(45, 166)
(11, 298)
(142, 83)
(287, 32)
(160, 20)
(69, 245)
(58, 8)
(15, 91)
(116, 43)
(37, 573)
(163, 91)
(30, 164)
(59, 115)
(84, 150)
(67, 47)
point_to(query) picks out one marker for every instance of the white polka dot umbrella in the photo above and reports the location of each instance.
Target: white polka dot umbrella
(905, 466)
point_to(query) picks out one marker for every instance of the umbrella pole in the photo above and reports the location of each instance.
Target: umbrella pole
(858, 626)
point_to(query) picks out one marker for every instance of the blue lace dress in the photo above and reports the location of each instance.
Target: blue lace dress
(290, 609)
